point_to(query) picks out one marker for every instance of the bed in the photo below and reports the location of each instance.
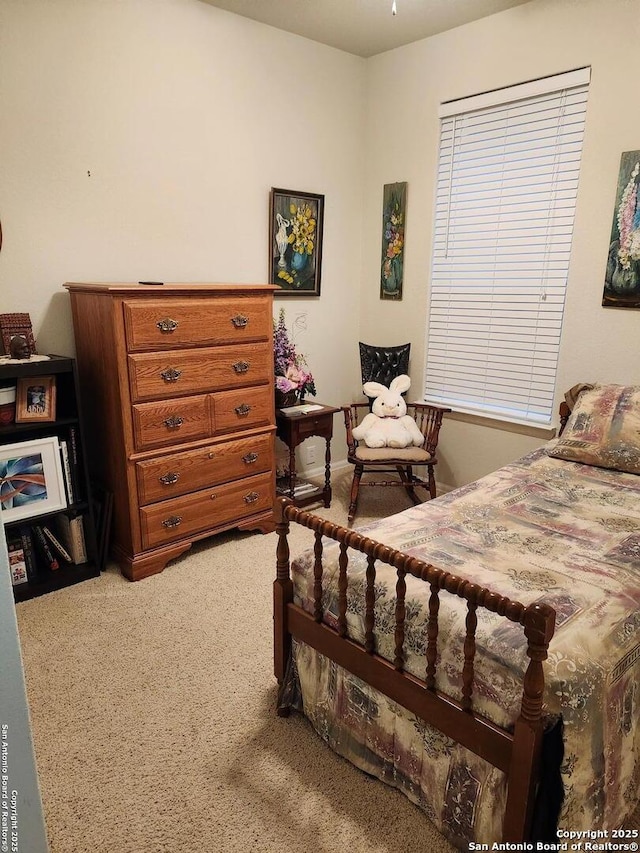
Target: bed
(481, 652)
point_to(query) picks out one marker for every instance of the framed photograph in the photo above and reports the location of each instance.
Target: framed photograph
(36, 399)
(31, 480)
(295, 242)
(16, 324)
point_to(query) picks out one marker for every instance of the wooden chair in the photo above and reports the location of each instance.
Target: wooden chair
(390, 460)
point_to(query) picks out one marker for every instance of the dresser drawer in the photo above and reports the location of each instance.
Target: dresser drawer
(170, 422)
(182, 517)
(153, 324)
(159, 375)
(236, 410)
(190, 470)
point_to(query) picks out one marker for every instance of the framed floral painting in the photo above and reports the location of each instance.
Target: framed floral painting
(394, 203)
(622, 278)
(295, 242)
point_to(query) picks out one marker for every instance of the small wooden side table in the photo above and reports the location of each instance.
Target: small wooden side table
(293, 428)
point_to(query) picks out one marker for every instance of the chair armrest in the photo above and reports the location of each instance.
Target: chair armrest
(352, 419)
(429, 420)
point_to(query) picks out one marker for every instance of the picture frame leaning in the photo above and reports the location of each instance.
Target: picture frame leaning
(296, 222)
(31, 479)
(35, 399)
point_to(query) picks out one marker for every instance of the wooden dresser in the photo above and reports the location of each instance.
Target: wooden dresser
(177, 389)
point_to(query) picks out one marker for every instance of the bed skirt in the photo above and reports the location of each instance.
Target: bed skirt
(462, 795)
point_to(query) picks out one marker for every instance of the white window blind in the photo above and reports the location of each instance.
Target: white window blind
(505, 201)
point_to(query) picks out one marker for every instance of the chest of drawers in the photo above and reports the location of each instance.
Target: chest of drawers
(177, 386)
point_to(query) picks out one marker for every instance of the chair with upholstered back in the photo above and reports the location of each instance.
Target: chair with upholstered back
(383, 364)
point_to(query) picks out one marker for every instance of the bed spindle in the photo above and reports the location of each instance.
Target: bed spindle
(471, 623)
(317, 577)
(343, 562)
(432, 637)
(370, 601)
(401, 589)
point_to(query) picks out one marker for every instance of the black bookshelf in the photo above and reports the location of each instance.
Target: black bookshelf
(67, 424)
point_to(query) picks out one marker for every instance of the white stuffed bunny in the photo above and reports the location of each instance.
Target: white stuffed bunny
(388, 424)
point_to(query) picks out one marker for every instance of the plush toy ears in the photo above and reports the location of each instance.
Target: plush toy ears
(373, 389)
(400, 384)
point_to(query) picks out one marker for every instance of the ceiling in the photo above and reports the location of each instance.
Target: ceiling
(365, 27)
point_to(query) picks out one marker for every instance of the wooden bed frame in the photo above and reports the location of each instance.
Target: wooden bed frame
(517, 753)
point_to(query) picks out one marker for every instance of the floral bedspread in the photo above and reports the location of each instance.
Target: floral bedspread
(540, 529)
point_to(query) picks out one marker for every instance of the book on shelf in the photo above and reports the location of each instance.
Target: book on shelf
(74, 461)
(29, 553)
(56, 545)
(66, 470)
(301, 409)
(71, 533)
(44, 549)
(17, 563)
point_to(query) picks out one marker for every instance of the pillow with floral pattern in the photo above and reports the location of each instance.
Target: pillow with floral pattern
(603, 429)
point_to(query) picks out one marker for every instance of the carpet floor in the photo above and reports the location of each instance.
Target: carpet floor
(153, 715)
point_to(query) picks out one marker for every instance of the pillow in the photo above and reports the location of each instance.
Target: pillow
(603, 429)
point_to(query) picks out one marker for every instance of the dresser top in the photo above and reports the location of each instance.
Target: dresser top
(167, 287)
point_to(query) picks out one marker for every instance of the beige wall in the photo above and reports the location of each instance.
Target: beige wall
(404, 89)
(186, 115)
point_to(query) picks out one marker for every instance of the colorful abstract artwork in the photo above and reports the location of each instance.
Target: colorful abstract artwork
(31, 480)
(22, 481)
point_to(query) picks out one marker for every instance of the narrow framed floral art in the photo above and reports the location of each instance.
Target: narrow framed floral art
(622, 277)
(394, 203)
(295, 242)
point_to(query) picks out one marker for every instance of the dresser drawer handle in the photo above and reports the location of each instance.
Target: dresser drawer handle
(241, 366)
(169, 479)
(167, 325)
(251, 497)
(172, 521)
(171, 374)
(239, 321)
(243, 410)
(250, 458)
(174, 422)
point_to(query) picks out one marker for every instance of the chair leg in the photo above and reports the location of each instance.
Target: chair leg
(406, 475)
(355, 485)
(432, 482)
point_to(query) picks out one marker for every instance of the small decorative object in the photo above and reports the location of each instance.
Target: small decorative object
(622, 278)
(394, 204)
(293, 380)
(19, 348)
(295, 242)
(36, 399)
(7, 405)
(30, 479)
(12, 325)
(388, 424)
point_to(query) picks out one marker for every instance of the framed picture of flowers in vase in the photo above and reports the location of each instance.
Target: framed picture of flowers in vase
(622, 276)
(394, 204)
(295, 242)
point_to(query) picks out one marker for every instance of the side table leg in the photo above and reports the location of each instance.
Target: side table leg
(292, 470)
(327, 475)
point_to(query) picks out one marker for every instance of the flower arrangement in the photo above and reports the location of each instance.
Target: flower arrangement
(292, 375)
(628, 220)
(302, 240)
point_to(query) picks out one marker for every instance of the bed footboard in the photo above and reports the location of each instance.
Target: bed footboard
(516, 753)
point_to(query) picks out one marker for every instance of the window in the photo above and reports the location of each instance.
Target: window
(505, 201)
